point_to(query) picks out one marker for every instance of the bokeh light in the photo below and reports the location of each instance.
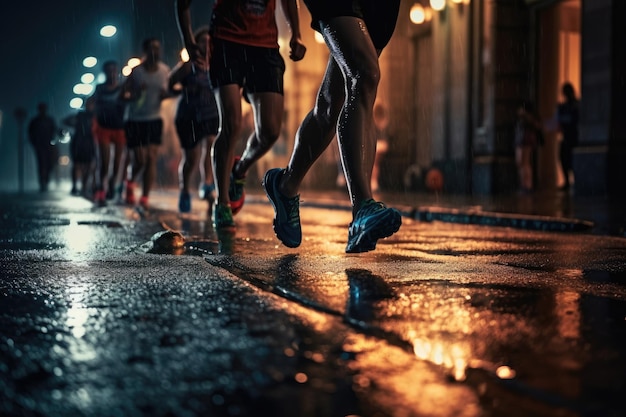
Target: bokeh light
(87, 78)
(76, 103)
(184, 55)
(83, 89)
(90, 62)
(108, 31)
(438, 4)
(417, 14)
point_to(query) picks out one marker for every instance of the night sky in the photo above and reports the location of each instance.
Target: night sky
(43, 43)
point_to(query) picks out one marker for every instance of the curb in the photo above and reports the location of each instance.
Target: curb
(486, 218)
(460, 216)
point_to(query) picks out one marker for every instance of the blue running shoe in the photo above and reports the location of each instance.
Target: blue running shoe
(373, 221)
(207, 192)
(184, 202)
(286, 210)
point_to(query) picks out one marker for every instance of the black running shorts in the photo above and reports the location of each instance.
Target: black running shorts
(191, 132)
(256, 69)
(143, 133)
(380, 16)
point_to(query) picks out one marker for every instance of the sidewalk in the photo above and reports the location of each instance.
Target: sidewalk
(96, 324)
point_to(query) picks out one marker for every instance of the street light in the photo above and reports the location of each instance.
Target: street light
(76, 103)
(417, 14)
(87, 78)
(83, 89)
(90, 62)
(108, 31)
(132, 63)
(438, 5)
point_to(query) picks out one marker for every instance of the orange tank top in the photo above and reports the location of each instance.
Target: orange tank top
(249, 22)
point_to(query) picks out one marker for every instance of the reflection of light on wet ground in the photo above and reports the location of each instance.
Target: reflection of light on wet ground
(452, 356)
(567, 311)
(404, 386)
(76, 204)
(77, 316)
(79, 239)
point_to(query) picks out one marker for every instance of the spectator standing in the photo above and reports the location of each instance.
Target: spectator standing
(568, 116)
(42, 134)
(527, 138)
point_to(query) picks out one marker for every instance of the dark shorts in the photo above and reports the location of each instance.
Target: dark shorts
(191, 132)
(257, 70)
(380, 16)
(143, 133)
(83, 156)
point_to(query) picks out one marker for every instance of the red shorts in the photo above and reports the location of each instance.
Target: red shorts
(106, 136)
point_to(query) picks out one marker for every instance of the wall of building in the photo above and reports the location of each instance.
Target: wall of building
(503, 71)
(599, 160)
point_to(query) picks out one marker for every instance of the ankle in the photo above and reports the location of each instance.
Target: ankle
(285, 187)
(238, 171)
(360, 204)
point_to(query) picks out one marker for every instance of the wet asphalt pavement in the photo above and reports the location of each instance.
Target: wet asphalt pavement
(455, 315)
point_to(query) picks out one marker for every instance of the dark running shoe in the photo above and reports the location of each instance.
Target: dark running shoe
(286, 210)
(184, 202)
(223, 218)
(236, 193)
(373, 221)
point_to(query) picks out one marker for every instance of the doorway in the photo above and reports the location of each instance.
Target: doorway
(558, 53)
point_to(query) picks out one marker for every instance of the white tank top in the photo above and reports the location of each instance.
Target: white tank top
(153, 86)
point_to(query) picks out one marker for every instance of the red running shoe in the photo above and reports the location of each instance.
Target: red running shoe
(236, 193)
(130, 193)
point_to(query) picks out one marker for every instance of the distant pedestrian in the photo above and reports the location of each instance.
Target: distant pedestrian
(82, 149)
(197, 124)
(244, 56)
(43, 134)
(568, 118)
(109, 134)
(144, 89)
(527, 138)
(355, 32)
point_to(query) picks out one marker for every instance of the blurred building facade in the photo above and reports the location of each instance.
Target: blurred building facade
(453, 84)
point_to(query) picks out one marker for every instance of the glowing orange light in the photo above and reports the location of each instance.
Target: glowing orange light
(417, 14)
(504, 372)
(438, 4)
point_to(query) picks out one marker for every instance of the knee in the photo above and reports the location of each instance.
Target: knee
(363, 82)
(268, 135)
